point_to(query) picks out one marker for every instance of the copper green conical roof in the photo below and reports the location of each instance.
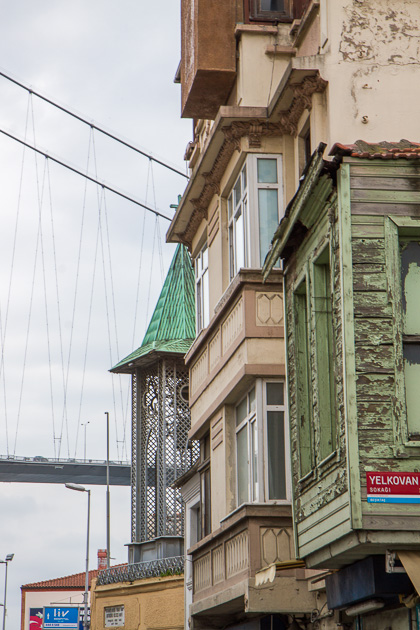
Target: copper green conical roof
(172, 327)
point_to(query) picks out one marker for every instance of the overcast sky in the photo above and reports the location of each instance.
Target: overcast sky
(80, 269)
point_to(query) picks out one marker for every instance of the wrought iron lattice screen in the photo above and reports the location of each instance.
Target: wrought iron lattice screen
(161, 420)
(139, 570)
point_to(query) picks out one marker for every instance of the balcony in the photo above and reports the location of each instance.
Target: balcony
(208, 66)
(244, 340)
(226, 561)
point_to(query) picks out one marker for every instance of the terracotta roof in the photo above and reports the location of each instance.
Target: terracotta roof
(76, 581)
(172, 327)
(404, 149)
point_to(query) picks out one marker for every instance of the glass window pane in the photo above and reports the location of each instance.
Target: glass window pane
(241, 412)
(251, 400)
(239, 243)
(410, 276)
(230, 206)
(242, 464)
(198, 307)
(272, 5)
(206, 310)
(244, 178)
(231, 253)
(267, 171)
(254, 454)
(412, 380)
(268, 219)
(237, 191)
(276, 455)
(205, 257)
(275, 394)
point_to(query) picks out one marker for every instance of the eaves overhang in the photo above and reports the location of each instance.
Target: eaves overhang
(315, 187)
(293, 95)
(177, 348)
(205, 179)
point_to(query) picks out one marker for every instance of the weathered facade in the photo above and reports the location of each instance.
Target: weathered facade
(148, 591)
(154, 602)
(161, 419)
(267, 82)
(349, 241)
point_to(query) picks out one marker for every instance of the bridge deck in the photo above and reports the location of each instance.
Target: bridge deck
(43, 470)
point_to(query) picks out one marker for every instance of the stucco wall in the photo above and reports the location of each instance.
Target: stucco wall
(372, 62)
(149, 604)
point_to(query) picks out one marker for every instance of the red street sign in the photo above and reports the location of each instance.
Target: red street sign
(390, 487)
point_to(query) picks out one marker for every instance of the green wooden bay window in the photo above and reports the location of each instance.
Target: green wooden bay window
(303, 380)
(402, 242)
(410, 294)
(324, 340)
(313, 333)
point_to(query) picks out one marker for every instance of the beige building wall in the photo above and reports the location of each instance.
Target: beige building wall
(149, 604)
(369, 53)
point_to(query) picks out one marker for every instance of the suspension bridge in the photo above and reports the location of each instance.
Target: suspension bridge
(78, 271)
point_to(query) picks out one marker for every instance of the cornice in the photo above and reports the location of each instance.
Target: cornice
(286, 123)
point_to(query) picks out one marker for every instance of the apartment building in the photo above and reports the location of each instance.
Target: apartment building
(272, 85)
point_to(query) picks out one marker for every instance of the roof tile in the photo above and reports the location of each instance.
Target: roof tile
(404, 149)
(76, 581)
(172, 327)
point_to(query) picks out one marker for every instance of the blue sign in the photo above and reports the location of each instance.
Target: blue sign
(61, 617)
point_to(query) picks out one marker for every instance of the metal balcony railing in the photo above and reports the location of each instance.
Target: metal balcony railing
(139, 570)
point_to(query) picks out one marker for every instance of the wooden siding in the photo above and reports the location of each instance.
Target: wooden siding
(378, 190)
(331, 501)
(321, 498)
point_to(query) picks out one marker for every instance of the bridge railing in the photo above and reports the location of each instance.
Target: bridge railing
(61, 460)
(139, 570)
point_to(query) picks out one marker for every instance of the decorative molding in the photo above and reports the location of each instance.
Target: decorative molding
(202, 573)
(232, 325)
(217, 433)
(275, 544)
(268, 309)
(199, 372)
(255, 130)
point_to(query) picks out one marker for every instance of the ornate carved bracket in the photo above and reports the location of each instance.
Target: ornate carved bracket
(255, 130)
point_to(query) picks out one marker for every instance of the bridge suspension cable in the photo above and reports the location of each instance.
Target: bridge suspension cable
(91, 179)
(93, 125)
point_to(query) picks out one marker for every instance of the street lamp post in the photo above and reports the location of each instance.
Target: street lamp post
(108, 507)
(75, 486)
(84, 449)
(8, 559)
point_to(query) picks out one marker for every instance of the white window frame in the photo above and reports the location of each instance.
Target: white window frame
(201, 269)
(238, 208)
(114, 616)
(247, 206)
(257, 418)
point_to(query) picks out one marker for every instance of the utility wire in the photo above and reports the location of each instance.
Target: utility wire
(91, 179)
(92, 125)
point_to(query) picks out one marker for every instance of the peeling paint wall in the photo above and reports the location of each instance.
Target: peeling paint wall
(385, 32)
(321, 499)
(372, 62)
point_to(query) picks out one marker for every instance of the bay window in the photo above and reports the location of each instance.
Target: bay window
(313, 331)
(410, 291)
(274, 10)
(402, 239)
(270, 10)
(254, 211)
(201, 266)
(261, 444)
